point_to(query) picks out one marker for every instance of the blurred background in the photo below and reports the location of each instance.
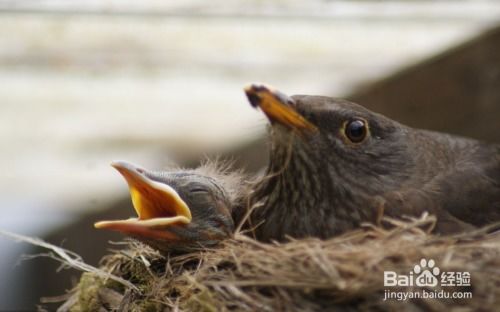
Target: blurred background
(83, 83)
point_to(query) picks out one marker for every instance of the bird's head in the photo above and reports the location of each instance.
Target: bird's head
(322, 144)
(178, 210)
(332, 134)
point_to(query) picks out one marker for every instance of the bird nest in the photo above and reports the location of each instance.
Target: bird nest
(344, 272)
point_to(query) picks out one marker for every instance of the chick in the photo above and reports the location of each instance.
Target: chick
(178, 210)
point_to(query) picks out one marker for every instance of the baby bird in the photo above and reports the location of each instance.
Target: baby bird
(180, 210)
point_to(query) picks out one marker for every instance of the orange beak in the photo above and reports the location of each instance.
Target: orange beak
(276, 106)
(157, 205)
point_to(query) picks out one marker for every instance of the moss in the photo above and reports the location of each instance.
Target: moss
(88, 298)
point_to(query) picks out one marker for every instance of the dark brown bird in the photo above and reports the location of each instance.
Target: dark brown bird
(180, 210)
(335, 164)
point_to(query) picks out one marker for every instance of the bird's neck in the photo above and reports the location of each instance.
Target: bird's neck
(298, 197)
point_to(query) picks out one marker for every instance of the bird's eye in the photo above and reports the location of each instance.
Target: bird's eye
(356, 130)
(199, 190)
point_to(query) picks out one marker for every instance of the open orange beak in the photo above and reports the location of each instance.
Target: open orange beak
(157, 205)
(276, 106)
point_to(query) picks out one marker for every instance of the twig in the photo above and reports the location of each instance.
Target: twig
(69, 258)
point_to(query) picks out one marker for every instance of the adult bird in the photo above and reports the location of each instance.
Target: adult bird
(335, 164)
(178, 210)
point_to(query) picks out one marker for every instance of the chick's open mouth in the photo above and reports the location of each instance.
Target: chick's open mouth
(157, 204)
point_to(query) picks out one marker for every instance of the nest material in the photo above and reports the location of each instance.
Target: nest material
(342, 273)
